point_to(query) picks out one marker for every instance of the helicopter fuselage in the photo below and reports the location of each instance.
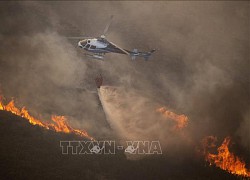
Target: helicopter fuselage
(99, 46)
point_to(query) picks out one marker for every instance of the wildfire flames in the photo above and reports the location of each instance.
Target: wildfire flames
(224, 159)
(60, 122)
(181, 120)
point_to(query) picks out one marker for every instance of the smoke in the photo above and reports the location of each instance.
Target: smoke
(200, 68)
(41, 68)
(243, 130)
(134, 116)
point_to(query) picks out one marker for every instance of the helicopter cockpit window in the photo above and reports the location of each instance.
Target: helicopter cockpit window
(87, 46)
(92, 47)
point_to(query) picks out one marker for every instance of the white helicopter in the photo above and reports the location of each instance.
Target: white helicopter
(99, 46)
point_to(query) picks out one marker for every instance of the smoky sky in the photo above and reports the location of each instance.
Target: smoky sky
(200, 68)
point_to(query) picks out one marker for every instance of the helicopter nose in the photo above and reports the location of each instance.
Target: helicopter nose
(82, 43)
(79, 44)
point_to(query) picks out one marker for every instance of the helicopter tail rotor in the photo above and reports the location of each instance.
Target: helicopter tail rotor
(135, 53)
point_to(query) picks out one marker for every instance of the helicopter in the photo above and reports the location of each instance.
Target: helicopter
(97, 47)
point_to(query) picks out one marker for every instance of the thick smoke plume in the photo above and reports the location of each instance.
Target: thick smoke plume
(200, 69)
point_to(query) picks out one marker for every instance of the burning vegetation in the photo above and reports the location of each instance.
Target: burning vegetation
(181, 120)
(59, 124)
(225, 159)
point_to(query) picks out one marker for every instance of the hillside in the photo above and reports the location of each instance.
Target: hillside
(30, 152)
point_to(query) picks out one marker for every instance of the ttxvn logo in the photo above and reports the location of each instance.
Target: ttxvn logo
(110, 147)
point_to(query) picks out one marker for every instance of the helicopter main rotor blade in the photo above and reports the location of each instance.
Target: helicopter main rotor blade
(107, 26)
(79, 37)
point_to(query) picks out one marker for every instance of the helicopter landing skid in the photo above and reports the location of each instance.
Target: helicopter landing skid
(95, 56)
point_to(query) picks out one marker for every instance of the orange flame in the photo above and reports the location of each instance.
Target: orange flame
(225, 159)
(181, 120)
(60, 122)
